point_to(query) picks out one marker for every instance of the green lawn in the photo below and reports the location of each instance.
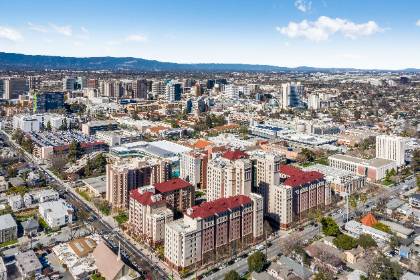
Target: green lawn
(8, 243)
(84, 194)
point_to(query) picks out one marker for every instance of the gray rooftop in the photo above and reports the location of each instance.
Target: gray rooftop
(97, 183)
(7, 221)
(28, 262)
(296, 267)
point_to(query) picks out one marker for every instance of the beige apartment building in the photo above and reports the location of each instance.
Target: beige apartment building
(265, 172)
(148, 215)
(193, 168)
(298, 193)
(213, 230)
(228, 175)
(125, 175)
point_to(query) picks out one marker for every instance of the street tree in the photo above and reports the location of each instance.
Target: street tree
(232, 275)
(256, 262)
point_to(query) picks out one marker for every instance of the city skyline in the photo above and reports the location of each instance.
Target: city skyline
(281, 33)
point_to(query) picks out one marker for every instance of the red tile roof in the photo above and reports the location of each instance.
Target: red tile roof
(298, 177)
(234, 154)
(207, 209)
(144, 198)
(369, 220)
(171, 185)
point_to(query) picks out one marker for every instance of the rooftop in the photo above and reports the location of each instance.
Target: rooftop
(298, 177)
(28, 262)
(103, 258)
(234, 154)
(211, 208)
(369, 220)
(171, 185)
(7, 221)
(145, 198)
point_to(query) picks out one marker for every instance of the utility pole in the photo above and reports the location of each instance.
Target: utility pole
(347, 206)
(266, 247)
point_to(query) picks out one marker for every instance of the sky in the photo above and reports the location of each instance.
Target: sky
(319, 33)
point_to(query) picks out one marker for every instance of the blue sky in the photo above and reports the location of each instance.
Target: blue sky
(324, 33)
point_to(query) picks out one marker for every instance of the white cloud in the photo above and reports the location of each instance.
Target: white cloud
(136, 38)
(84, 30)
(112, 43)
(65, 30)
(418, 22)
(324, 27)
(10, 34)
(303, 5)
(38, 28)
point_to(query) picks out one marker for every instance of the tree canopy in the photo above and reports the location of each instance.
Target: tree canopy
(345, 242)
(232, 275)
(256, 262)
(330, 227)
(366, 241)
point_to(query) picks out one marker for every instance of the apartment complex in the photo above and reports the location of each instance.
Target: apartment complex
(229, 175)
(214, 229)
(178, 194)
(374, 169)
(391, 148)
(128, 174)
(298, 193)
(8, 228)
(56, 213)
(340, 181)
(265, 173)
(193, 168)
(148, 214)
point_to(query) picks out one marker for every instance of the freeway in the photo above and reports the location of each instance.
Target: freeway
(114, 238)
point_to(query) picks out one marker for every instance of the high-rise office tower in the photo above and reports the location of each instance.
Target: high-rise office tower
(48, 101)
(291, 95)
(173, 92)
(314, 102)
(158, 88)
(13, 87)
(140, 89)
(69, 83)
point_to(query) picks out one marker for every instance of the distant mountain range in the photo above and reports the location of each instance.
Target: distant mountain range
(14, 61)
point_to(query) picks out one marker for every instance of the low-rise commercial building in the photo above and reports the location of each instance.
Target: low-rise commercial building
(356, 229)
(92, 127)
(374, 169)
